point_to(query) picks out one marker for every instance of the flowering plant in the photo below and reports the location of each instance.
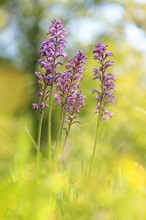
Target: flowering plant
(104, 95)
(65, 88)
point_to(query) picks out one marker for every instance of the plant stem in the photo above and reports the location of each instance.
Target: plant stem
(59, 137)
(67, 132)
(63, 145)
(102, 104)
(40, 131)
(91, 160)
(49, 124)
(62, 125)
(39, 139)
(96, 136)
(50, 108)
(59, 131)
(99, 120)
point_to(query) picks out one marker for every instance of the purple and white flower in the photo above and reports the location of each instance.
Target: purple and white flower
(51, 51)
(105, 95)
(69, 96)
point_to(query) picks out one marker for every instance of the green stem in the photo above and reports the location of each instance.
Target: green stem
(91, 160)
(97, 133)
(102, 104)
(50, 108)
(59, 130)
(49, 123)
(39, 139)
(69, 126)
(40, 131)
(63, 145)
(61, 134)
(59, 137)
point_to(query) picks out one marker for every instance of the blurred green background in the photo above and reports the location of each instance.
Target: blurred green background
(118, 186)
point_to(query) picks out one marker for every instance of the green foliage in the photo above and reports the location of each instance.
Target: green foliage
(118, 184)
(117, 190)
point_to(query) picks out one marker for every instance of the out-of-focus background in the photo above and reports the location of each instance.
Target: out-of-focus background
(120, 166)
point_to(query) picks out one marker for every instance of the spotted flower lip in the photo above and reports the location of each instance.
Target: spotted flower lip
(51, 52)
(105, 95)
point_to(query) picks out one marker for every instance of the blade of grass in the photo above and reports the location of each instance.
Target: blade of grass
(31, 138)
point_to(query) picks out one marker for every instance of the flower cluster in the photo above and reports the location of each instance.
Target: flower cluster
(51, 50)
(107, 87)
(75, 102)
(69, 96)
(65, 87)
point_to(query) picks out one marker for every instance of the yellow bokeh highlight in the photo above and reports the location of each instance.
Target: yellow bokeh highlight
(133, 172)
